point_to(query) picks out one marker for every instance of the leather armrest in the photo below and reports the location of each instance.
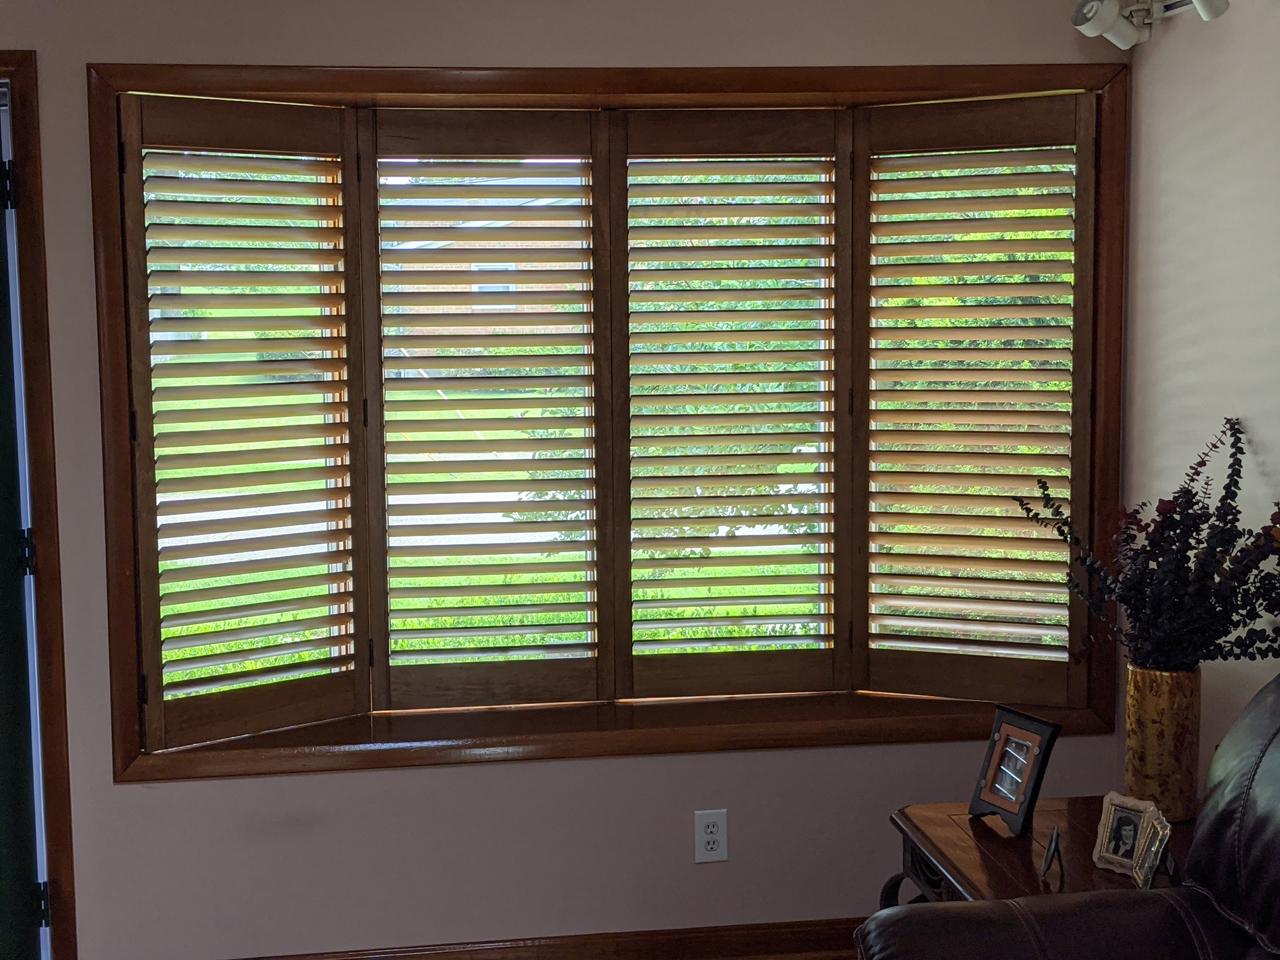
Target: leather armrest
(1112, 925)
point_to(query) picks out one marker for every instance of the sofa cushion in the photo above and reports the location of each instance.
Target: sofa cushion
(1164, 924)
(1235, 857)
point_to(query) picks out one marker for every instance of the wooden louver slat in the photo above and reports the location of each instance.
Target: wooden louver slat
(487, 339)
(972, 341)
(731, 396)
(249, 419)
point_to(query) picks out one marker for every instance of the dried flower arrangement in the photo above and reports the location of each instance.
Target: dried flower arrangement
(1185, 583)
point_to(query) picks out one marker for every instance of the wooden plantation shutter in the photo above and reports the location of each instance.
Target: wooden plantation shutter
(730, 255)
(975, 223)
(488, 334)
(237, 220)
(464, 408)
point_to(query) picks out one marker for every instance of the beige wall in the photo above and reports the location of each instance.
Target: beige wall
(207, 871)
(1204, 324)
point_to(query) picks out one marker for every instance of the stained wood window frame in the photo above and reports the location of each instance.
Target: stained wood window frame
(614, 723)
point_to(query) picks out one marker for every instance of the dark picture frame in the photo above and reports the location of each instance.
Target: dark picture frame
(1011, 774)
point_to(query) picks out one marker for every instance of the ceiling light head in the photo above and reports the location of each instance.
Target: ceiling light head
(1211, 9)
(1105, 18)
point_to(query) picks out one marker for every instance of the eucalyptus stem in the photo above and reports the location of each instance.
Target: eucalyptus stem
(1184, 583)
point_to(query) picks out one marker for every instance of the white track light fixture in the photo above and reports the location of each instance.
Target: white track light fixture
(1208, 9)
(1129, 22)
(1104, 18)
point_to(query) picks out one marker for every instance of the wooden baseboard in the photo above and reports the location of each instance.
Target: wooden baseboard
(810, 939)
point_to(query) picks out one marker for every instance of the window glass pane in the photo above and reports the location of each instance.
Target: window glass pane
(732, 368)
(487, 376)
(972, 330)
(249, 395)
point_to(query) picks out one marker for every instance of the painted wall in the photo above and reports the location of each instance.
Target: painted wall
(209, 871)
(1204, 323)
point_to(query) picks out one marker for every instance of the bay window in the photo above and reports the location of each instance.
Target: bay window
(606, 413)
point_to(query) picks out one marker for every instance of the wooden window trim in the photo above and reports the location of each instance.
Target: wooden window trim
(597, 729)
(524, 87)
(620, 728)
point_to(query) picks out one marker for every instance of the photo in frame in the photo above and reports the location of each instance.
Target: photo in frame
(1132, 835)
(1013, 769)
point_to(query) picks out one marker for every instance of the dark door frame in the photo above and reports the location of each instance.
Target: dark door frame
(18, 68)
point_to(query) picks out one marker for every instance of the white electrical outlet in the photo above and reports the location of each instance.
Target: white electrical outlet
(710, 836)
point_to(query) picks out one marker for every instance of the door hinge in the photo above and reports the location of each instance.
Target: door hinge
(8, 190)
(26, 553)
(42, 903)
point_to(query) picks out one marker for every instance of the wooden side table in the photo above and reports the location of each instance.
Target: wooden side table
(952, 856)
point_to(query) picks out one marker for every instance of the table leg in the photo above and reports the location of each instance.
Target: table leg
(889, 892)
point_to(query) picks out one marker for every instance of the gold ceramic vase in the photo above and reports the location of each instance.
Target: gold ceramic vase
(1162, 739)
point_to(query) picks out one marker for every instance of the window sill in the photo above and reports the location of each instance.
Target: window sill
(427, 738)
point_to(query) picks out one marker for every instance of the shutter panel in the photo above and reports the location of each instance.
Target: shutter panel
(488, 321)
(979, 372)
(731, 339)
(239, 278)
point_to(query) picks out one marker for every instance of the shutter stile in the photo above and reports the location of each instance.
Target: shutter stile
(731, 399)
(487, 355)
(248, 368)
(971, 401)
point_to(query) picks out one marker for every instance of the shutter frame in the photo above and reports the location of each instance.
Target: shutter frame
(444, 144)
(715, 138)
(960, 125)
(181, 124)
(1032, 123)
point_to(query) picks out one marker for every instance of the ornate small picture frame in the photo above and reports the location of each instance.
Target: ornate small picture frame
(1017, 755)
(1151, 850)
(1132, 835)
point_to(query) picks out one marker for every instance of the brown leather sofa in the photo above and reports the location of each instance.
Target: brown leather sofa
(1227, 909)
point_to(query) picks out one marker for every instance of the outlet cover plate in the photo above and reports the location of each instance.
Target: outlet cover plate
(710, 836)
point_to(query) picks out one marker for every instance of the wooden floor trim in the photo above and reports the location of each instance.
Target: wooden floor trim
(808, 939)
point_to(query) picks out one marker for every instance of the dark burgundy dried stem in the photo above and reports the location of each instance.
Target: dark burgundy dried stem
(1186, 583)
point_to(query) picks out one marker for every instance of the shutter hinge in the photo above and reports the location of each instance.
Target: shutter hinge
(26, 553)
(853, 401)
(133, 426)
(42, 903)
(8, 189)
(364, 411)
